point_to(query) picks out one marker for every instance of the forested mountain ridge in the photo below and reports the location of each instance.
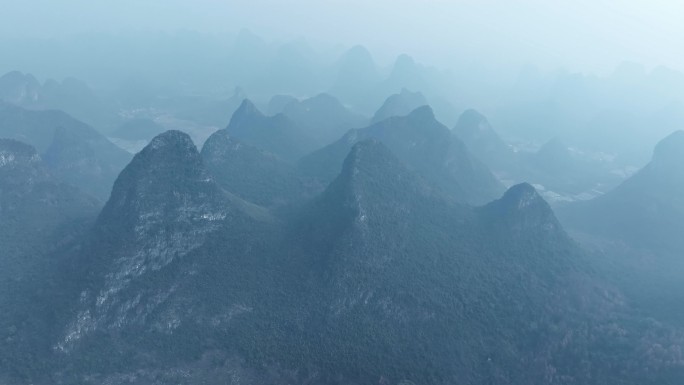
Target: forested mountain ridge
(382, 276)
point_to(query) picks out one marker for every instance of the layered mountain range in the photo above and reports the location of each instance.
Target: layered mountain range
(71, 150)
(382, 276)
(309, 244)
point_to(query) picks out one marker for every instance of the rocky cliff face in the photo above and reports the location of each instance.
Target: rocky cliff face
(164, 207)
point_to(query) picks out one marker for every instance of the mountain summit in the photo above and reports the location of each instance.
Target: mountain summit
(425, 146)
(372, 178)
(399, 104)
(164, 190)
(523, 211)
(277, 134)
(163, 207)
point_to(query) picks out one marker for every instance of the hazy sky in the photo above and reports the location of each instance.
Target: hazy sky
(576, 34)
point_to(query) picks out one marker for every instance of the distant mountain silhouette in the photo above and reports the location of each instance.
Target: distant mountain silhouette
(406, 73)
(357, 77)
(72, 151)
(277, 103)
(426, 146)
(476, 132)
(323, 117)
(85, 159)
(400, 104)
(647, 210)
(70, 95)
(277, 134)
